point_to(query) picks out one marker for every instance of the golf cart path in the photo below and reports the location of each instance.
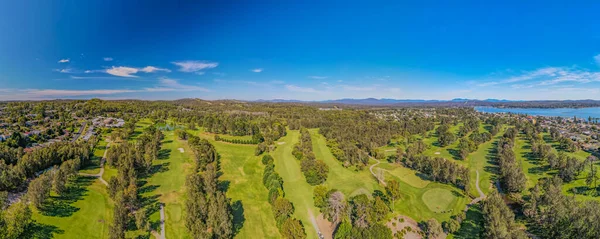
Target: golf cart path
(99, 174)
(481, 194)
(374, 175)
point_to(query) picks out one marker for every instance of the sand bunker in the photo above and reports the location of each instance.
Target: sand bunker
(181, 150)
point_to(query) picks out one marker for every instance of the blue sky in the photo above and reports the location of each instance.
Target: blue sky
(308, 51)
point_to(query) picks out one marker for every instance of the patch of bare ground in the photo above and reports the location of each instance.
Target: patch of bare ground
(404, 227)
(325, 227)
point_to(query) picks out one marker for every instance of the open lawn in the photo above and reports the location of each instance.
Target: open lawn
(438, 199)
(85, 212)
(242, 173)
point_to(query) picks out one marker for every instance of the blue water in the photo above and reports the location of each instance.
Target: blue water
(581, 113)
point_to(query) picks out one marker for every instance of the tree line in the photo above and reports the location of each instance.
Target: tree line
(208, 210)
(315, 170)
(16, 167)
(133, 161)
(283, 209)
(237, 141)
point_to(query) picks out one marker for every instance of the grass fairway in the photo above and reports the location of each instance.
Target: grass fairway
(168, 183)
(438, 199)
(349, 181)
(85, 212)
(297, 190)
(243, 171)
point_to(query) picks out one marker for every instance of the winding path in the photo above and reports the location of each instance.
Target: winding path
(481, 194)
(99, 174)
(374, 175)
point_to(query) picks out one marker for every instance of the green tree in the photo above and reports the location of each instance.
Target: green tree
(17, 217)
(392, 188)
(434, 229)
(293, 229)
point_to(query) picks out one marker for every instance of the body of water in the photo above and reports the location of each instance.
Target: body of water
(581, 113)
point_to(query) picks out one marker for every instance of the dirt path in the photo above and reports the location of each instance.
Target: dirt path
(481, 194)
(99, 175)
(162, 221)
(375, 175)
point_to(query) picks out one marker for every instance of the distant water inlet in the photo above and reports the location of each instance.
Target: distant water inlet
(580, 113)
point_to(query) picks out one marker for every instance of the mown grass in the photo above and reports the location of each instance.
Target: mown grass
(242, 175)
(297, 190)
(167, 184)
(84, 212)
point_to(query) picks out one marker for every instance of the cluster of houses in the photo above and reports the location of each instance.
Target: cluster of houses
(108, 122)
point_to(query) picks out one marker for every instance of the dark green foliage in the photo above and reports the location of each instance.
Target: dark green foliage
(314, 170)
(499, 220)
(555, 215)
(512, 175)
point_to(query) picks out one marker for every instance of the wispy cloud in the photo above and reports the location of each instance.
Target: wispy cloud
(167, 84)
(318, 77)
(597, 59)
(124, 71)
(63, 60)
(296, 88)
(358, 88)
(150, 69)
(65, 70)
(194, 66)
(107, 59)
(257, 70)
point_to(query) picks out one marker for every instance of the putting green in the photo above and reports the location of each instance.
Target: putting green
(438, 199)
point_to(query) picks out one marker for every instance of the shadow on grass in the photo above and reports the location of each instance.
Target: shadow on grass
(41, 231)
(159, 168)
(472, 226)
(164, 154)
(238, 216)
(455, 154)
(60, 206)
(491, 156)
(223, 186)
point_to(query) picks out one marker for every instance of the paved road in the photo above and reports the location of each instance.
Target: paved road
(481, 194)
(76, 136)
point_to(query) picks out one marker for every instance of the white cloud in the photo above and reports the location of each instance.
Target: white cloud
(63, 60)
(257, 70)
(122, 71)
(301, 89)
(597, 59)
(107, 58)
(150, 69)
(318, 77)
(87, 71)
(199, 73)
(194, 66)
